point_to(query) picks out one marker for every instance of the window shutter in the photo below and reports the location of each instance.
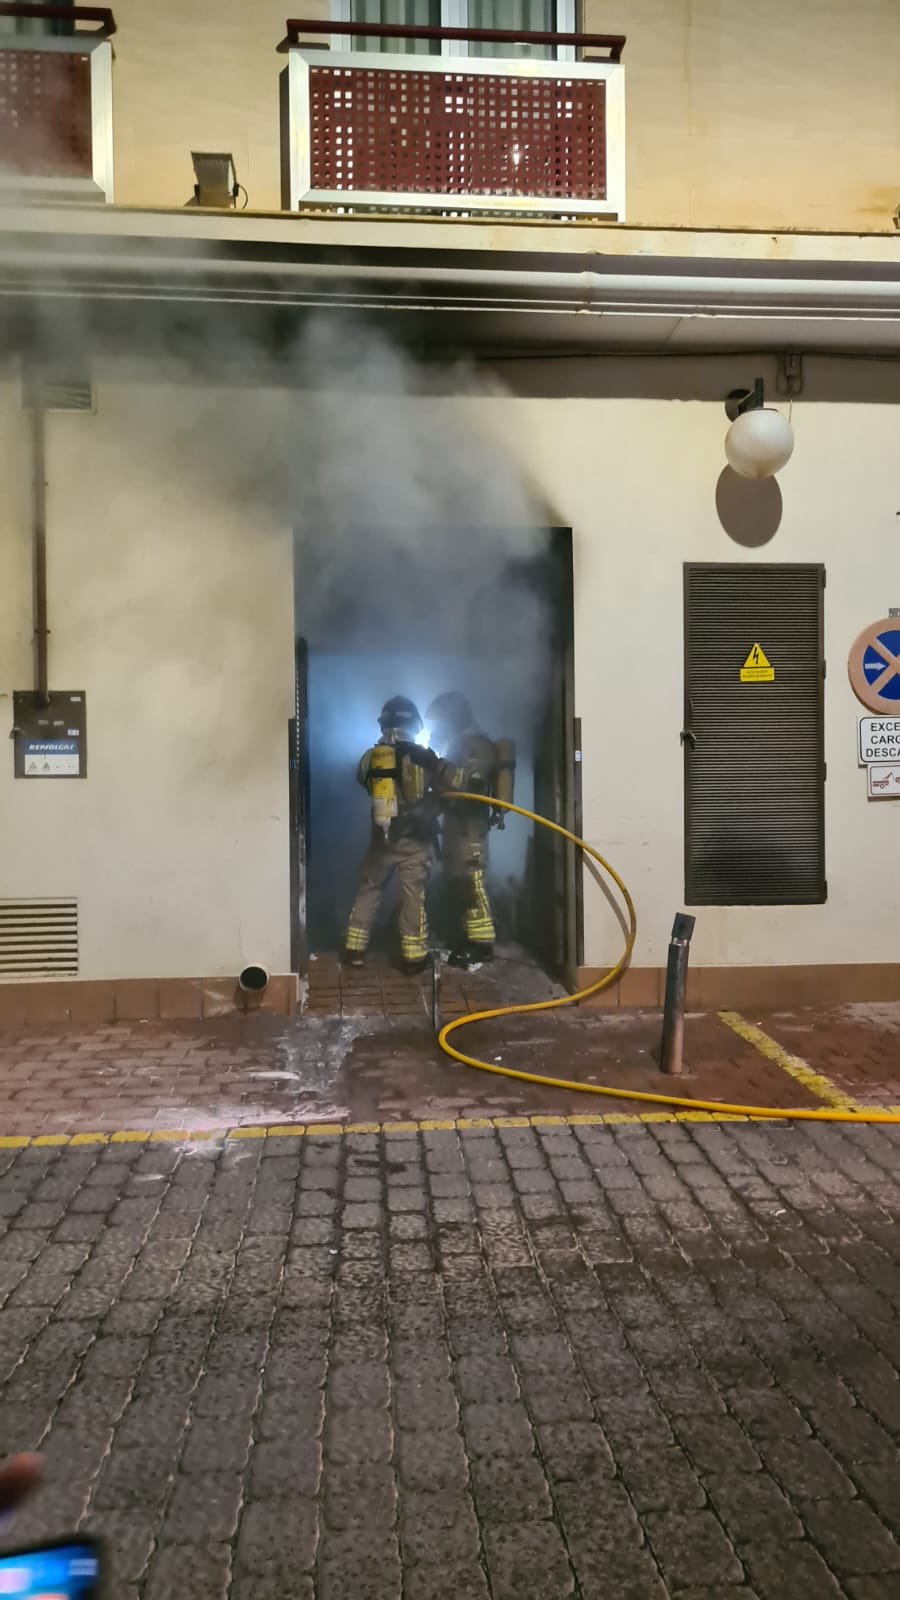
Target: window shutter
(57, 387)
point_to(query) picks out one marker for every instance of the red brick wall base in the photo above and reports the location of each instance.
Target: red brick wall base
(720, 988)
(709, 988)
(138, 999)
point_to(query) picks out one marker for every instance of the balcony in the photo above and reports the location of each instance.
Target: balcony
(456, 136)
(56, 102)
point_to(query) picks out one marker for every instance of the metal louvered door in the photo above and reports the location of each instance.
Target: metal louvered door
(754, 766)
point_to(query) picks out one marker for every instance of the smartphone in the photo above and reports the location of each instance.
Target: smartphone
(67, 1569)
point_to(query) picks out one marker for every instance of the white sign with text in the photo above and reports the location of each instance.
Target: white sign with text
(879, 739)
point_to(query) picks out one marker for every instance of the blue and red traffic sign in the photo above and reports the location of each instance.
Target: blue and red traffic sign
(874, 665)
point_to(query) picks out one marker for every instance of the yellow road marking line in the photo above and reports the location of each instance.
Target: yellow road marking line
(798, 1069)
(306, 1130)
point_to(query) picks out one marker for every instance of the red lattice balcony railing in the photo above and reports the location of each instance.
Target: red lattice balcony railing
(55, 102)
(456, 134)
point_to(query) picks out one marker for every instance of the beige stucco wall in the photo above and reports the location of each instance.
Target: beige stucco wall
(636, 479)
(762, 116)
(171, 607)
(203, 76)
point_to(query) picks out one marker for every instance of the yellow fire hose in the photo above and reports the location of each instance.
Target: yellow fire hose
(825, 1114)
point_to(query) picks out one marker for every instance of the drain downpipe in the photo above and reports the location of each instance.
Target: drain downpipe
(39, 543)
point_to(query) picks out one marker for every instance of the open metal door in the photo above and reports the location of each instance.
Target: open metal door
(298, 771)
(556, 863)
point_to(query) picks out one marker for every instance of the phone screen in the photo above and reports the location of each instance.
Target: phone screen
(69, 1571)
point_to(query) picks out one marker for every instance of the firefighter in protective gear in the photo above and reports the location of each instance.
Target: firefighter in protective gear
(404, 835)
(471, 762)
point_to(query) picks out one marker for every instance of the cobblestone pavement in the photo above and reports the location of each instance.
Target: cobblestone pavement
(621, 1363)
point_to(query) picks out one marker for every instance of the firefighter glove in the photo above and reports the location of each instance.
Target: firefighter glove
(420, 757)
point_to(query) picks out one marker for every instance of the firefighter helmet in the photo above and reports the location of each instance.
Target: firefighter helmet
(400, 714)
(451, 711)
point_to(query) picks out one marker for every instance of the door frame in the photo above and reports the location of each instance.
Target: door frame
(566, 776)
(571, 773)
(563, 955)
(298, 808)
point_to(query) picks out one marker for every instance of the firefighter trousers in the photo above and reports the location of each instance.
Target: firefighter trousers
(410, 857)
(464, 850)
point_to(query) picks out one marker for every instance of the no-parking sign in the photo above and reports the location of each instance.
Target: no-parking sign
(874, 666)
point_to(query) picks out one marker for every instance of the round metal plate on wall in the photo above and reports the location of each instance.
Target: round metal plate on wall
(874, 666)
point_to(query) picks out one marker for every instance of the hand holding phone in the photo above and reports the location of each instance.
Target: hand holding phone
(66, 1569)
(60, 1569)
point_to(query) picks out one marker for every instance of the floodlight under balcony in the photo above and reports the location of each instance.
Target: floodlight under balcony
(217, 183)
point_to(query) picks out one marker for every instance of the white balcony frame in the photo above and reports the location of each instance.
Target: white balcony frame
(303, 195)
(100, 185)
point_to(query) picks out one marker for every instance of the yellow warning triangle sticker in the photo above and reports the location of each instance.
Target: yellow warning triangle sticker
(757, 657)
(757, 668)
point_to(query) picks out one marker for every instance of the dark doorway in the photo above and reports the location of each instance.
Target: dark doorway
(369, 641)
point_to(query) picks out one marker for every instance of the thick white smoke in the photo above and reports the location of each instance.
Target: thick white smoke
(207, 473)
(401, 503)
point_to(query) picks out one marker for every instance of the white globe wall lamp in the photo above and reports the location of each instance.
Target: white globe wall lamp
(760, 441)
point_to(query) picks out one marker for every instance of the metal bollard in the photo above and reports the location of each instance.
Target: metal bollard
(671, 1049)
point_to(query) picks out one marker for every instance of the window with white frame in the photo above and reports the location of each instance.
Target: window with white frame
(42, 27)
(520, 16)
(402, 13)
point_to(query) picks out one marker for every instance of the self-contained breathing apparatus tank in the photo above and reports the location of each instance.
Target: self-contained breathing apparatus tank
(384, 779)
(382, 783)
(505, 778)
